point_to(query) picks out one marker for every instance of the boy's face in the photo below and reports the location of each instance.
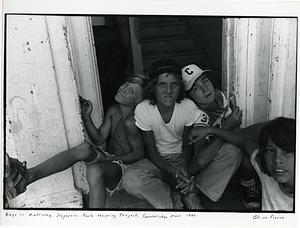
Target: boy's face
(130, 93)
(279, 163)
(167, 89)
(203, 91)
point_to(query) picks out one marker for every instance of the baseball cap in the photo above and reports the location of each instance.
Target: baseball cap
(164, 66)
(189, 75)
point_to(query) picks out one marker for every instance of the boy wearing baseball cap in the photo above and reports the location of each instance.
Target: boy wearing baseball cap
(215, 162)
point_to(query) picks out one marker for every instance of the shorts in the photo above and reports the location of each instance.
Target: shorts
(119, 185)
(123, 167)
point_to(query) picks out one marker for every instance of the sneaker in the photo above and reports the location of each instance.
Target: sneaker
(176, 200)
(251, 196)
(15, 177)
(192, 201)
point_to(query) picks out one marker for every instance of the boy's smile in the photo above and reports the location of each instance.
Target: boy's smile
(167, 89)
(279, 163)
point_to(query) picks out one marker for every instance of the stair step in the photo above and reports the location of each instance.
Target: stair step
(148, 20)
(163, 29)
(159, 38)
(162, 24)
(183, 58)
(168, 53)
(151, 48)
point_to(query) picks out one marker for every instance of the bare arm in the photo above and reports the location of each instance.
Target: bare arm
(98, 136)
(234, 120)
(187, 150)
(136, 143)
(154, 156)
(204, 154)
(238, 139)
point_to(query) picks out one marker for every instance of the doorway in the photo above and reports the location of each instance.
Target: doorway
(113, 51)
(183, 38)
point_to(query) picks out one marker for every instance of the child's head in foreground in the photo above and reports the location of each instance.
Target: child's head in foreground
(278, 143)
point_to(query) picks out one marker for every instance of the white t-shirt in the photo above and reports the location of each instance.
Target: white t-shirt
(168, 136)
(273, 198)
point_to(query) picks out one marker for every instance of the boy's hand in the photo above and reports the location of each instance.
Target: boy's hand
(233, 120)
(197, 134)
(186, 186)
(86, 107)
(232, 102)
(217, 113)
(181, 174)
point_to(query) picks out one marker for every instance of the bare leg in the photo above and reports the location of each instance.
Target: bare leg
(60, 162)
(100, 176)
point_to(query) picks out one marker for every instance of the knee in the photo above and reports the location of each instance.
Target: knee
(132, 180)
(84, 152)
(94, 175)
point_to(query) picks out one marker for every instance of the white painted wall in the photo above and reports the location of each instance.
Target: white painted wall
(42, 115)
(283, 68)
(259, 66)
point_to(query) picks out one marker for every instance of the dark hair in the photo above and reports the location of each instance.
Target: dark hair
(164, 66)
(169, 66)
(282, 132)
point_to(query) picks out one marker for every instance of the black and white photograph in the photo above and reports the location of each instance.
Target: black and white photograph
(167, 115)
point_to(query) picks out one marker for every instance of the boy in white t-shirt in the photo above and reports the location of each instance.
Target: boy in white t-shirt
(164, 119)
(273, 159)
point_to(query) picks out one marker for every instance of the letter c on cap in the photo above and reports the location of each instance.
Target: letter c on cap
(188, 71)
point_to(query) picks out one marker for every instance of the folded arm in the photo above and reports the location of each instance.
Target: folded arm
(243, 141)
(204, 153)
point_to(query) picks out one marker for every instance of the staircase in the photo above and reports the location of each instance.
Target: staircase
(168, 37)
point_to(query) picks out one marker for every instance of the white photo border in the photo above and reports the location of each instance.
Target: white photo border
(151, 7)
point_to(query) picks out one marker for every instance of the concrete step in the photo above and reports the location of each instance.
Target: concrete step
(122, 199)
(170, 44)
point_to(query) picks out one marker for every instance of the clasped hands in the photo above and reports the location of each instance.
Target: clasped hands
(185, 183)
